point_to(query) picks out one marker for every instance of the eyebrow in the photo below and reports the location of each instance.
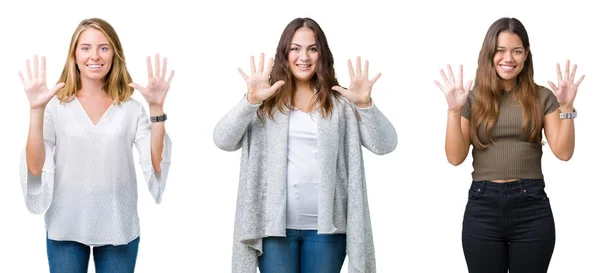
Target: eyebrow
(519, 47)
(301, 46)
(91, 45)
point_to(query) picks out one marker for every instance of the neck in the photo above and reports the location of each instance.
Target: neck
(302, 96)
(91, 88)
(510, 84)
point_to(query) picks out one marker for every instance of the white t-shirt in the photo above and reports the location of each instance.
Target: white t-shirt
(302, 171)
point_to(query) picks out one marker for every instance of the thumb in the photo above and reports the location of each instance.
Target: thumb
(340, 89)
(57, 87)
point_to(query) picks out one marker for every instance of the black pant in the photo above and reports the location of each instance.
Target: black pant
(508, 226)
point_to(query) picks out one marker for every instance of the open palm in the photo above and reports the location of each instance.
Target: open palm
(456, 94)
(35, 87)
(259, 88)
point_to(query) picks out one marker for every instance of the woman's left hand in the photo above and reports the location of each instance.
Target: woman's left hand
(359, 91)
(157, 88)
(567, 87)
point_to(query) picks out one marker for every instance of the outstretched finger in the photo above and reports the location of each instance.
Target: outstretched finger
(558, 72)
(157, 65)
(243, 74)
(261, 63)
(444, 76)
(451, 74)
(163, 73)
(358, 66)
(580, 80)
(57, 87)
(340, 90)
(22, 78)
(468, 86)
(269, 66)
(171, 77)
(351, 69)
(554, 88)
(572, 76)
(366, 72)
(149, 67)
(439, 85)
(43, 70)
(252, 65)
(137, 87)
(375, 78)
(276, 86)
(567, 68)
(460, 75)
(36, 67)
(28, 67)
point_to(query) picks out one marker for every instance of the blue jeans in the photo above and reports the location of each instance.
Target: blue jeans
(508, 227)
(73, 257)
(303, 251)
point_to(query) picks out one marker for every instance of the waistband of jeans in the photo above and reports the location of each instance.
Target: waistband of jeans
(517, 184)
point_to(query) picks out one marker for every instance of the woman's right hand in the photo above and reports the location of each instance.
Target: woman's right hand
(259, 88)
(35, 87)
(456, 94)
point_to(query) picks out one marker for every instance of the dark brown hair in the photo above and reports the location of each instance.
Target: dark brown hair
(322, 81)
(489, 89)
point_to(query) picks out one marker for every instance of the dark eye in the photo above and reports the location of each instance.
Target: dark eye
(313, 49)
(500, 50)
(518, 52)
(295, 48)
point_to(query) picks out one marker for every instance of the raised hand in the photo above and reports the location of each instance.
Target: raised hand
(157, 88)
(35, 87)
(567, 87)
(456, 93)
(259, 88)
(359, 91)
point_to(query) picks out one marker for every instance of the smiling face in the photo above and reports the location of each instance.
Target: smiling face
(93, 55)
(509, 58)
(303, 55)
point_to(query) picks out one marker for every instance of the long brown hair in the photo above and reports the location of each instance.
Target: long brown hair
(489, 89)
(322, 81)
(116, 82)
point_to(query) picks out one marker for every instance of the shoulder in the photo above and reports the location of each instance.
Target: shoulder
(132, 104)
(544, 92)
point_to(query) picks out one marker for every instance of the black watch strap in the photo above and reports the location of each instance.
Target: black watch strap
(160, 118)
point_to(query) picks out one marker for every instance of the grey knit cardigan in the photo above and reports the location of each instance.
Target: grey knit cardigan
(342, 201)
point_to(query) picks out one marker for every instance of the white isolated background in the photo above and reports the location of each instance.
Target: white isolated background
(417, 199)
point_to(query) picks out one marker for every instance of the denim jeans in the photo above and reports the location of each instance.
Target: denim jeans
(73, 257)
(508, 226)
(303, 251)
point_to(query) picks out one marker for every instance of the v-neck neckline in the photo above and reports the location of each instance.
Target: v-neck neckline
(88, 116)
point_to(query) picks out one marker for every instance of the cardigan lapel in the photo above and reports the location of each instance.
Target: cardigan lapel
(328, 146)
(276, 195)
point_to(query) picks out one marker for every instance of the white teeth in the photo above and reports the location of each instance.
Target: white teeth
(94, 65)
(303, 65)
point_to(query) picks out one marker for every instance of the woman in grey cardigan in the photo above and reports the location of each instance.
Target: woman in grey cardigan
(302, 199)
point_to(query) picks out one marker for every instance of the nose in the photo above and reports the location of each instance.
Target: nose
(95, 55)
(509, 56)
(304, 55)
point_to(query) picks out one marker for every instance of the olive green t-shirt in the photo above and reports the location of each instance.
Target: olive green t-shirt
(512, 155)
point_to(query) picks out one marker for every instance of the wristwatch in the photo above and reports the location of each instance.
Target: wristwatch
(571, 115)
(160, 118)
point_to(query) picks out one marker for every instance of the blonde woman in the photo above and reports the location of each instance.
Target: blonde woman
(78, 167)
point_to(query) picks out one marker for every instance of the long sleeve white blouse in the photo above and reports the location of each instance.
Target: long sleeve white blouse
(88, 185)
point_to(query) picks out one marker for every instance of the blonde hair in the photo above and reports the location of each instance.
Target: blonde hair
(116, 82)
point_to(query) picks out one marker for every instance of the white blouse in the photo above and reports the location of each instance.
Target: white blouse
(88, 185)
